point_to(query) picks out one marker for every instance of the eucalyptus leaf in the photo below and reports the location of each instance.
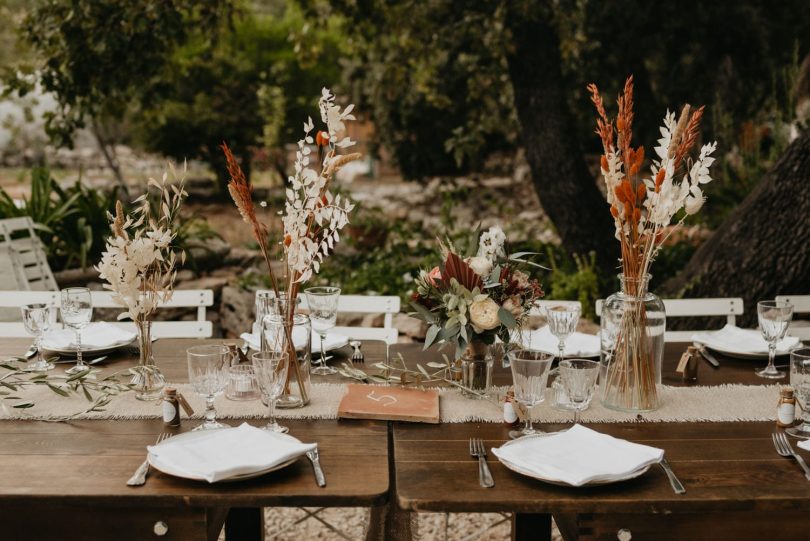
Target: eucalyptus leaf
(431, 335)
(507, 318)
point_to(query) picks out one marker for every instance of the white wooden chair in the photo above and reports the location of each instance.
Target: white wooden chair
(801, 305)
(731, 307)
(182, 298)
(31, 270)
(367, 304)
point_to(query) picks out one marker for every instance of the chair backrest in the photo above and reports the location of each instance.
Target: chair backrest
(182, 298)
(27, 255)
(801, 305)
(731, 307)
(388, 305)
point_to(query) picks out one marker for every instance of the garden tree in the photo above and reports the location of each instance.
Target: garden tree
(96, 56)
(760, 250)
(250, 88)
(452, 75)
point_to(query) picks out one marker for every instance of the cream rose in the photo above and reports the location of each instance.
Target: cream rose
(480, 264)
(484, 314)
(512, 304)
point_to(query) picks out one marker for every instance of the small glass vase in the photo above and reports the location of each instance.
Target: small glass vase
(147, 380)
(632, 347)
(278, 331)
(476, 370)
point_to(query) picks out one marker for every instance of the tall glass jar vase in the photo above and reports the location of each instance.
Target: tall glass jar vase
(632, 347)
(283, 334)
(476, 369)
(147, 380)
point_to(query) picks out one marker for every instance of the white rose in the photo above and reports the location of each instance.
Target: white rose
(484, 314)
(481, 265)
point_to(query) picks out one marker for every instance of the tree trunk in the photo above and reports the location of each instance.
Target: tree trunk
(761, 250)
(108, 150)
(567, 190)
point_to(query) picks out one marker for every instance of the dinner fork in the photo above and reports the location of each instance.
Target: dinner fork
(357, 355)
(784, 448)
(139, 477)
(478, 451)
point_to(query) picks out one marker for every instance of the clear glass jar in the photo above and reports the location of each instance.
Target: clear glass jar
(281, 333)
(147, 379)
(476, 369)
(632, 347)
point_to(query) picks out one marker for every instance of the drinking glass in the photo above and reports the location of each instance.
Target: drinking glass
(323, 304)
(578, 378)
(774, 320)
(208, 375)
(530, 375)
(562, 322)
(800, 381)
(77, 311)
(271, 372)
(37, 320)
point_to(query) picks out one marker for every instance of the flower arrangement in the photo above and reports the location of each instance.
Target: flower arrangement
(644, 207)
(139, 266)
(312, 216)
(475, 299)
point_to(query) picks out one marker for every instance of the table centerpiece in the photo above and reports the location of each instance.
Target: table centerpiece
(643, 207)
(139, 266)
(468, 302)
(312, 218)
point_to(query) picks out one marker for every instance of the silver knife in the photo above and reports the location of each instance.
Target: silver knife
(673, 480)
(316, 467)
(711, 359)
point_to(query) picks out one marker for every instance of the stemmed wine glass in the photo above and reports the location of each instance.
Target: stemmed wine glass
(800, 381)
(323, 305)
(208, 375)
(578, 378)
(774, 320)
(77, 311)
(562, 322)
(37, 320)
(271, 372)
(530, 375)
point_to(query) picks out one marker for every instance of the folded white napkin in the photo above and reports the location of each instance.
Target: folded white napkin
(804, 444)
(96, 335)
(222, 454)
(576, 345)
(736, 340)
(332, 341)
(578, 456)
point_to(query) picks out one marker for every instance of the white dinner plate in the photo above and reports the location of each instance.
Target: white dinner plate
(91, 351)
(190, 437)
(731, 341)
(595, 482)
(332, 342)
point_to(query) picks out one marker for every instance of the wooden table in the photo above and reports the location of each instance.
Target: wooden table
(67, 480)
(737, 486)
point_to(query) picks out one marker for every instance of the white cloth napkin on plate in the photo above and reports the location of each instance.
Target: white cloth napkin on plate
(578, 456)
(96, 335)
(222, 454)
(332, 341)
(804, 444)
(576, 345)
(734, 339)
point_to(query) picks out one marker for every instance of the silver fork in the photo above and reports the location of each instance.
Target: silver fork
(478, 451)
(139, 477)
(784, 448)
(357, 355)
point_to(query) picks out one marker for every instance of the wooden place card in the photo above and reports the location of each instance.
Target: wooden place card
(389, 404)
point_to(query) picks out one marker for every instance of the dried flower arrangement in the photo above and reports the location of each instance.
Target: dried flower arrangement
(312, 215)
(643, 208)
(475, 299)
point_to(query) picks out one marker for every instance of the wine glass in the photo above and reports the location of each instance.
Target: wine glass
(578, 378)
(562, 322)
(271, 372)
(77, 311)
(774, 320)
(800, 381)
(208, 375)
(323, 304)
(37, 320)
(530, 375)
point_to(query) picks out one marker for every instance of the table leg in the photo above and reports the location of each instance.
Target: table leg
(531, 527)
(245, 524)
(389, 523)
